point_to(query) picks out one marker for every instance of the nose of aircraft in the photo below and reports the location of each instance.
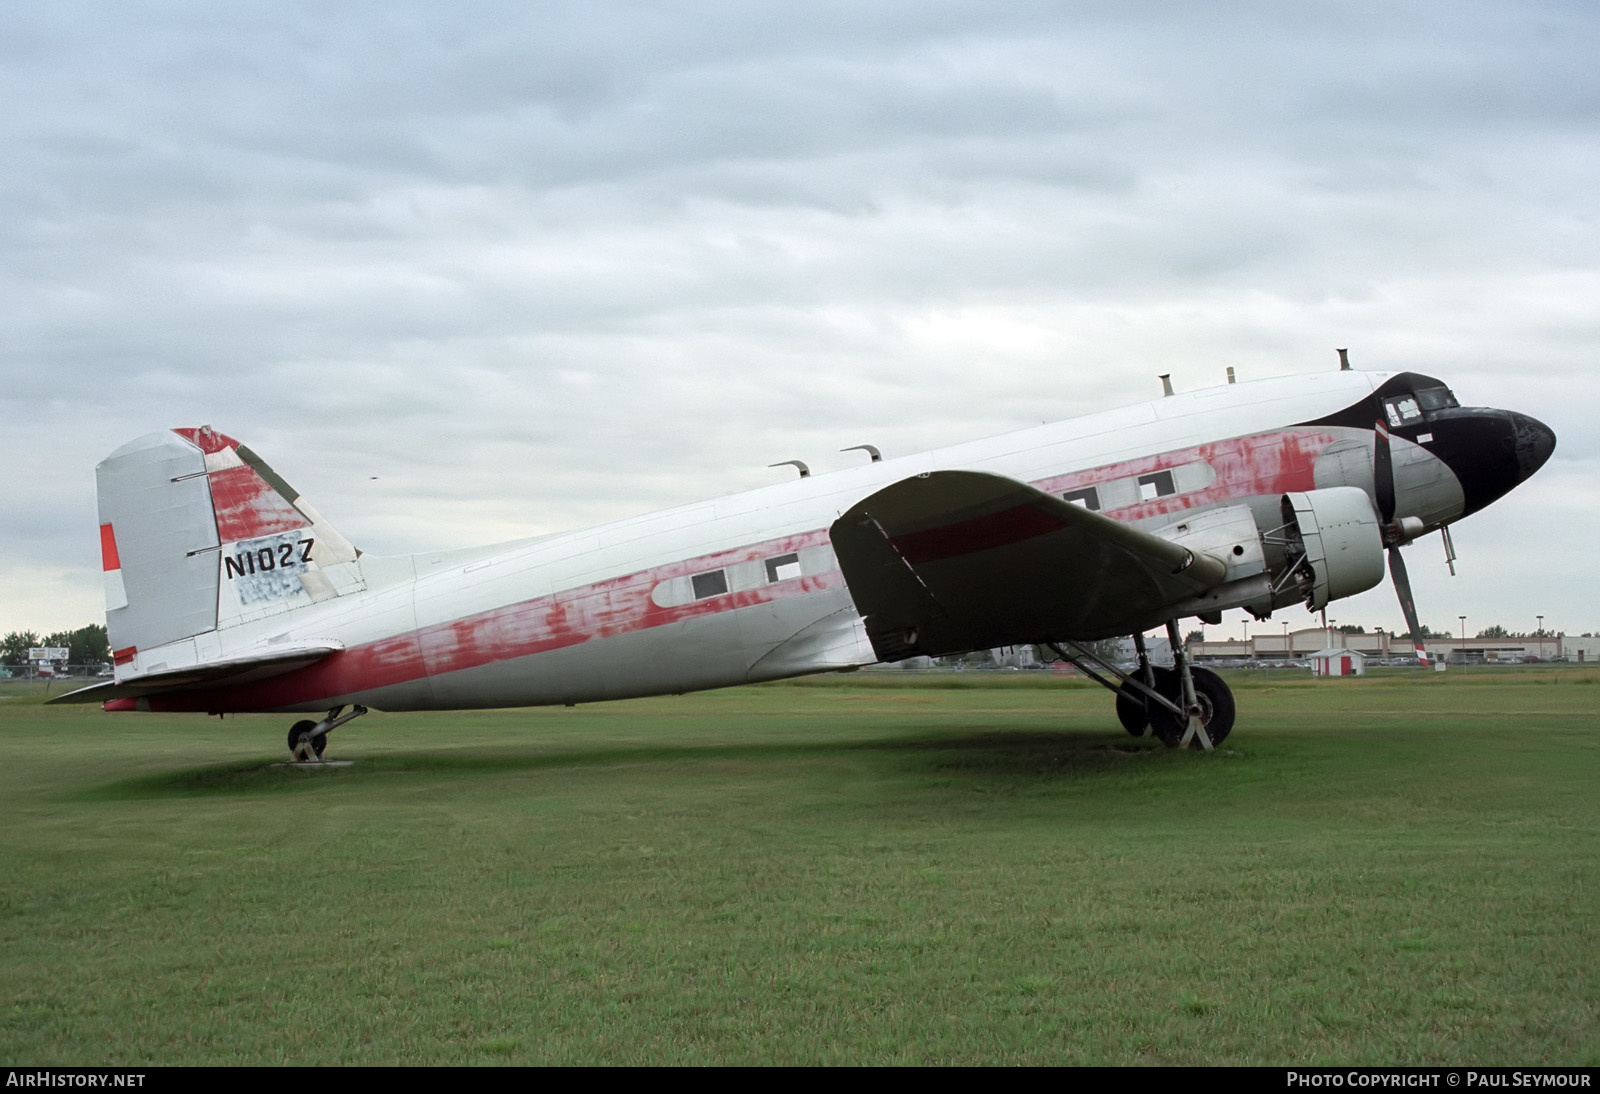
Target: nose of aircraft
(1490, 451)
(1534, 441)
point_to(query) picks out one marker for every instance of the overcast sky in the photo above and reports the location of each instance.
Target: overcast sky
(475, 271)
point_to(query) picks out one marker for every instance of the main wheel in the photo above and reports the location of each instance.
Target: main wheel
(1216, 706)
(300, 729)
(1131, 710)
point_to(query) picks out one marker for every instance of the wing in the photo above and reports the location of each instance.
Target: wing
(951, 561)
(232, 670)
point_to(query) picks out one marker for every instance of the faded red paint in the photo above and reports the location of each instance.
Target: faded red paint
(606, 609)
(247, 507)
(124, 655)
(108, 549)
(206, 439)
(965, 537)
(1262, 465)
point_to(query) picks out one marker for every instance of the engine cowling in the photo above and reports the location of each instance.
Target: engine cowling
(1335, 543)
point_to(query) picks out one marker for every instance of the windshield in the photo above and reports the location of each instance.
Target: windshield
(1435, 398)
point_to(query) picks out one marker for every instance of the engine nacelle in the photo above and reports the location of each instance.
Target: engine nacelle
(1228, 534)
(1335, 543)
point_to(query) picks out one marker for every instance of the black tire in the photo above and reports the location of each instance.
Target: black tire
(298, 730)
(1130, 710)
(1165, 725)
(1216, 706)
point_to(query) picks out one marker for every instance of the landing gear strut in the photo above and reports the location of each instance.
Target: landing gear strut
(1215, 701)
(308, 739)
(1182, 706)
(1133, 708)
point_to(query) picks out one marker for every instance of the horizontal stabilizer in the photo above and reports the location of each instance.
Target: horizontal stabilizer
(243, 669)
(951, 561)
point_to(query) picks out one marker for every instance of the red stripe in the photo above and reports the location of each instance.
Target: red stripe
(985, 533)
(606, 609)
(1255, 466)
(108, 549)
(124, 655)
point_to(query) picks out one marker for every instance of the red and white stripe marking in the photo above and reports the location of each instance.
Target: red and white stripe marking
(111, 564)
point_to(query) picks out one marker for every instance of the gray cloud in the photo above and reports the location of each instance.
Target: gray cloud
(534, 267)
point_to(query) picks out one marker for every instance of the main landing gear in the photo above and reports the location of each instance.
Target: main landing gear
(308, 739)
(1181, 707)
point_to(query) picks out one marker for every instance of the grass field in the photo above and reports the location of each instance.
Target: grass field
(869, 869)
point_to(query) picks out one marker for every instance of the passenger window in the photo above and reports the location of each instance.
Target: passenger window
(1089, 499)
(1157, 485)
(783, 567)
(714, 583)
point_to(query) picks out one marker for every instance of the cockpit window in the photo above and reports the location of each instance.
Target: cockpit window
(1436, 398)
(1402, 410)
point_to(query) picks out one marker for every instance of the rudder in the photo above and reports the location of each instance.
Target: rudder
(198, 534)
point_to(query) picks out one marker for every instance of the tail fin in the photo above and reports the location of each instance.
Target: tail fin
(198, 534)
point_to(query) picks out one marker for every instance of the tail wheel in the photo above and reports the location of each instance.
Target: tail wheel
(1216, 706)
(299, 730)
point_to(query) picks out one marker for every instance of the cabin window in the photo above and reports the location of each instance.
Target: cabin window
(1089, 499)
(1402, 410)
(714, 583)
(1158, 485)
(783, 567)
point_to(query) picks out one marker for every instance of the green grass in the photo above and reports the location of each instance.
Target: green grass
(1392, 870)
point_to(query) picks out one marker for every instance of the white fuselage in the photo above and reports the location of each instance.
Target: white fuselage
(746, 587)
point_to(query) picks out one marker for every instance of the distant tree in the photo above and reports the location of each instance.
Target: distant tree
(1194, 636)
(1496, 631)
(1107, 649)
(1429, 632)
(89, 645)
(84, 646)
(1350, 628)
(14, 648)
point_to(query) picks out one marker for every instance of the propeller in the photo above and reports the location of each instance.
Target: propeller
(1395, 533)
(1383, 473)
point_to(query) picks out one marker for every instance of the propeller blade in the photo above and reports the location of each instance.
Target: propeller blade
(1402, 588)
(1383, 474)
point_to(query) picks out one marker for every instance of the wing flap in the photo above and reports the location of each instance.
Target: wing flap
(951, 561)
(242, 669)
